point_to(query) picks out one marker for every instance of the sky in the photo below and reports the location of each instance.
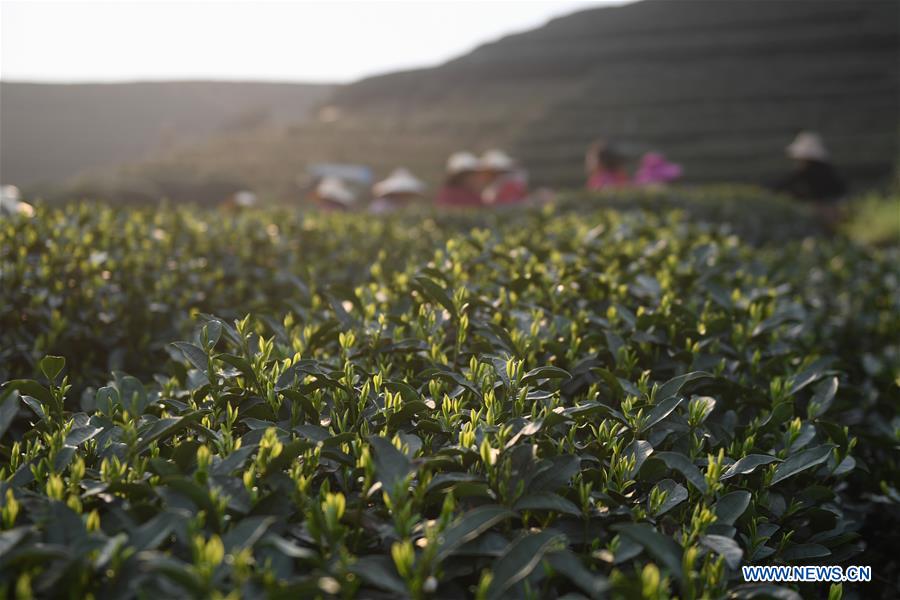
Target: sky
(336, 41)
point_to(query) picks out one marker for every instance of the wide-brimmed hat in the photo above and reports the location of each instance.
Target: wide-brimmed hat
(245, 198)
(10, 193)
(400, 181)
(11, 203)
(462, 162)
(496, 160)
(808, 145)
(334, 189)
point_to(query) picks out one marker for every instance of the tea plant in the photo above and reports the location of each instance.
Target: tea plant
(558, 401)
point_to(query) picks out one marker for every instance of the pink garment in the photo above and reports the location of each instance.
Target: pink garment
(457, 197)
(508, 189)
(607, 179)
(655, 169)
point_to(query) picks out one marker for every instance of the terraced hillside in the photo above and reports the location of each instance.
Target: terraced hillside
(719, 86)
(723, 90)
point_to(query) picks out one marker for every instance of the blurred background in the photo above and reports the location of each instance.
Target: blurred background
(193, 101)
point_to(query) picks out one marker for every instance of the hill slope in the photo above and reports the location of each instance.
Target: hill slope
(50, 132)
(719, 86)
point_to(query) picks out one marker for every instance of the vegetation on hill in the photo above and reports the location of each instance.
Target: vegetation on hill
(721, 87)
(54, 132)
(576, 399)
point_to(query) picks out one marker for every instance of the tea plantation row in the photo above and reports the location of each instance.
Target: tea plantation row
(568, 401)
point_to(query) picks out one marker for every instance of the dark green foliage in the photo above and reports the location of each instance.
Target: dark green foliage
(585, 402)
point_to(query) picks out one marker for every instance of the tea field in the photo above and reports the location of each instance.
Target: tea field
(627, 396)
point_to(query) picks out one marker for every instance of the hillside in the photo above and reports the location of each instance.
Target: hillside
(719, 86)
(51, 132)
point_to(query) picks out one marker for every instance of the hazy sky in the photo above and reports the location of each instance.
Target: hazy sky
(290, 41)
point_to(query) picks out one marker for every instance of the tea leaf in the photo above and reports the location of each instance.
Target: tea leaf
(470, 525)
(520, 558)
(801, 461)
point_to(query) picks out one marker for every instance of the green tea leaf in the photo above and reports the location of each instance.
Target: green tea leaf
(747, 465)
(764, 590)
(660, 547)
(823, 397)
(520, 559)
(674, 385)
(195, 355)
(547, 501)
(660, 412)
(801, 461)
(556, 474)
(725, 547)
(682, 464)
(568, 564)
(51, 366)
(435, 293)
(731, 506)
(805, 552)
(675, 495)
(546, 372)
(165, 428)
(391, 465)
(9, 408)
(31, 388)
(36, 406)
(379, 571)
(470, 525)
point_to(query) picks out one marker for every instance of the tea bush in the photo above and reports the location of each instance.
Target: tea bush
(109, 289)
(568, 401)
